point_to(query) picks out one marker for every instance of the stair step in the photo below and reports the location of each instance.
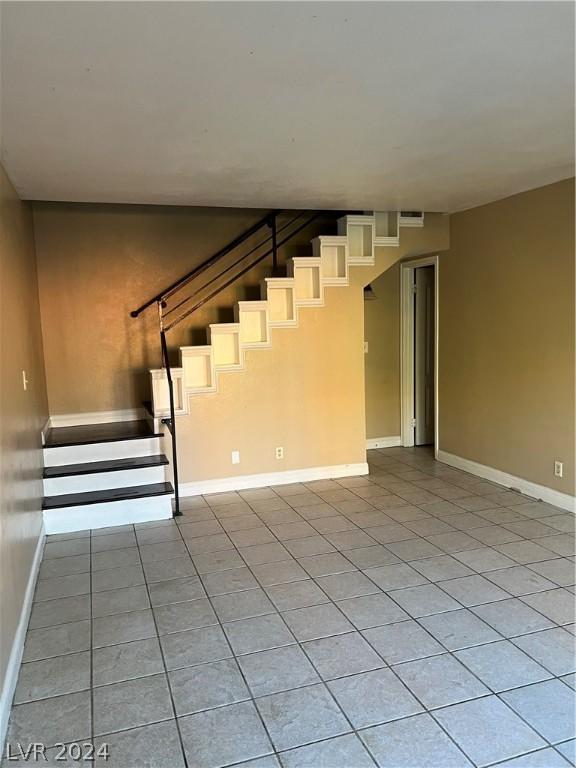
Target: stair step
(102, 497)
(86, 434)
(114, 465)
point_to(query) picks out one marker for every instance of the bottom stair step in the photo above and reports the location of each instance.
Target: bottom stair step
(107, 496)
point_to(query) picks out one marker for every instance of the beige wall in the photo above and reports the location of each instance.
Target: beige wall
(22, 414)
(96, 263)
(507, 335)
(382, 362)
(306, 393)
(382, 325)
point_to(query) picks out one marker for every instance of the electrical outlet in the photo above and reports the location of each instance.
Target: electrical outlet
(235, 457)
(558, 469)
(279, 452)
(365, 347)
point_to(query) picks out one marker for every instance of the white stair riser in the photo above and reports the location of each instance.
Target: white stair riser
(119, 449)
(110, 513)
(161, 391)
(101, 481)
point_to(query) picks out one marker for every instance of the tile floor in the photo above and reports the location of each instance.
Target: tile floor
(416, 617)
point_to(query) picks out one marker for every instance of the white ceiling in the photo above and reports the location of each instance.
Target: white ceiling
(382, 105)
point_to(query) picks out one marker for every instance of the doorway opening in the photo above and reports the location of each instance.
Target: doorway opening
(419, 352)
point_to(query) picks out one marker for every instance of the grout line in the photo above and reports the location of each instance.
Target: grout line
(505, 760)
(330, 601)
(239, 668)
(326, 687)
(404, 685)
(298, 644)
(162, 656)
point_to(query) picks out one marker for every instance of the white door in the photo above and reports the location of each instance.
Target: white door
(424, 355)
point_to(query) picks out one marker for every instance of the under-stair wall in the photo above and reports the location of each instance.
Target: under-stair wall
(303, 393)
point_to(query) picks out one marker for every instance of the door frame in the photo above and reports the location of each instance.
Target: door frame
(407, 368)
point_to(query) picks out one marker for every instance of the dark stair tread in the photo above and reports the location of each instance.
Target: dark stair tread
(113, 465)
(99, 433)
(113, 494)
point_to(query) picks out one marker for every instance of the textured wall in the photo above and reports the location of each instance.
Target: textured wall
(22, 413)
(382, 362)
(306, 393)
(507, 335)
(96, 263)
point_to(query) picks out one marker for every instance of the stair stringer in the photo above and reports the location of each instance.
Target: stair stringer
(355, 257)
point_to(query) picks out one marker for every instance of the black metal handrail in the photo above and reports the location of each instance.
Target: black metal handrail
(171, 422)
(271, 222)
(272, 251)
(163, 295)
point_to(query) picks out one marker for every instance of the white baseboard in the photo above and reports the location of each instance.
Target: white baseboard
(542, 492)
(13, 667)
(243, 482)
(383, 442)
(96, 417)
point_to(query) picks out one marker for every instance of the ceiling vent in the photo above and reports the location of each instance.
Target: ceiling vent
(411, 219)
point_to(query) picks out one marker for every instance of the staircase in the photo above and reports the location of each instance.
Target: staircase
(111, 474)
(282, 298)
(100, 475)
